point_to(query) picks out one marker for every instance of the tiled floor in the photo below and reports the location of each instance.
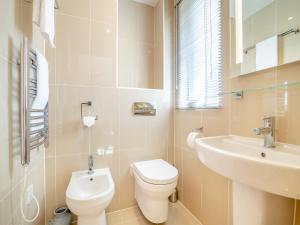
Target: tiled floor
(178, 215)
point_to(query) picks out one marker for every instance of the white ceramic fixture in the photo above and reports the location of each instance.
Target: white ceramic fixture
(155, 181)
(88, 195)
(245, 160)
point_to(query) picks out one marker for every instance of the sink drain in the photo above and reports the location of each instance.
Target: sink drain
(263, 155)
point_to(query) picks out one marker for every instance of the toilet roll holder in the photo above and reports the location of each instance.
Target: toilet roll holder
(88, 103)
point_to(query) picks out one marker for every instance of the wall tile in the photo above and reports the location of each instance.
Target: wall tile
(50, 152)
(193, 181)
(215, 199)
(50, 188)
(71, 136)
(78, 8)
(103, 55)
(72, 50)
(65, 165)
(288, 104)
(11, 29)
(104, 10)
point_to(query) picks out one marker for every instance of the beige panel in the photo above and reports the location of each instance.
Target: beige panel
(71, 136)
(103, 54)
(78, 8)
(72, 50)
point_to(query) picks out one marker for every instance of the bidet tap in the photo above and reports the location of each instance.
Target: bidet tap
(91, 164)
(268, 131)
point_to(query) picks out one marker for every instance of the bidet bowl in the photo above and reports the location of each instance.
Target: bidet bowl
(88, 195)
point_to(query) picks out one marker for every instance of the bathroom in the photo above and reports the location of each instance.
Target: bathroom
(176, 112)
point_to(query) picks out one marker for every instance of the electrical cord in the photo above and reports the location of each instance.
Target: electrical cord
(34, 198)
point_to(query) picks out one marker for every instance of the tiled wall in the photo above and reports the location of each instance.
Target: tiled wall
(83, 67)
(15, 22)
(206, 194)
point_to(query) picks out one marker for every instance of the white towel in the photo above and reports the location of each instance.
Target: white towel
(42, 95)
(267, 53)
(43, 16)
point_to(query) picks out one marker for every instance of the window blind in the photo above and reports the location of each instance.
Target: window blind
(198, 54)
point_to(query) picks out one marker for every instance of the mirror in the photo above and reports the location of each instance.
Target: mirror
(269, 34)
(140, 43)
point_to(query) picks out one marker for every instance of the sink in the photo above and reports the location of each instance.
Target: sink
(245, 160)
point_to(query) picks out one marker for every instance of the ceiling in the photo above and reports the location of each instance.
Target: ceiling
(148, 2)
(250, 7)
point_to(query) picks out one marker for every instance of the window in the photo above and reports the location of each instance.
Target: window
(198, 54)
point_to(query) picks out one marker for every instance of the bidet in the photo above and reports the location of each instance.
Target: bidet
(88, 195)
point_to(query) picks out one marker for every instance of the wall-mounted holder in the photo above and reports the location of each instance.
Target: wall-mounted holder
(238, 94)
(143, 109)
(87, 121)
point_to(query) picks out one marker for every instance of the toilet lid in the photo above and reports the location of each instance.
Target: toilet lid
(156, 171)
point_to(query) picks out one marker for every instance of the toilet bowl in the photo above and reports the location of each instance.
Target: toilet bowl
(155, 181)
(88, 195)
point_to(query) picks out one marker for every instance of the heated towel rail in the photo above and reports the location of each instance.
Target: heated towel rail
(34, 122)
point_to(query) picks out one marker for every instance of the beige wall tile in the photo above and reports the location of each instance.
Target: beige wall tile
(79, 8)
(193, 178)
(72, 50)
(288, 104)
(71, 136)
(103, 55)
(50, 188)
(105, 132)
(11, 29)
(65, 165)
(50, 152)
(185, 122)
(104, 10)
(215, 199)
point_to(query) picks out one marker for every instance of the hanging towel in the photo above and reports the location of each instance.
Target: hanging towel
(36, 8)
(267, 53)
(42, 94)
(46, 20)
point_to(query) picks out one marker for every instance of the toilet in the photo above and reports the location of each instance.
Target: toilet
(155, 181)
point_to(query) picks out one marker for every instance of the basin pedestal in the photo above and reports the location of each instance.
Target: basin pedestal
(254, 207)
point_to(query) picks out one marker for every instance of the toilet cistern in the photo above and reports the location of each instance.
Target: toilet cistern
(268, 131)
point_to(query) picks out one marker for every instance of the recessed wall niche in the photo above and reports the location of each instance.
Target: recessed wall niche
(140, 43)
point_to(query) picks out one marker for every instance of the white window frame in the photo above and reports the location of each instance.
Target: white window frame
(185, 100)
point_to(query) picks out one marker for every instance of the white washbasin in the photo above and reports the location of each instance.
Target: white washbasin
(245, 160)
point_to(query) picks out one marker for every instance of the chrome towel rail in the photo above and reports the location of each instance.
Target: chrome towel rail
(291, 31)
(34, 122)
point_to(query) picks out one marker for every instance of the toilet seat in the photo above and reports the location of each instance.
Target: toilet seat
(156, 172)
